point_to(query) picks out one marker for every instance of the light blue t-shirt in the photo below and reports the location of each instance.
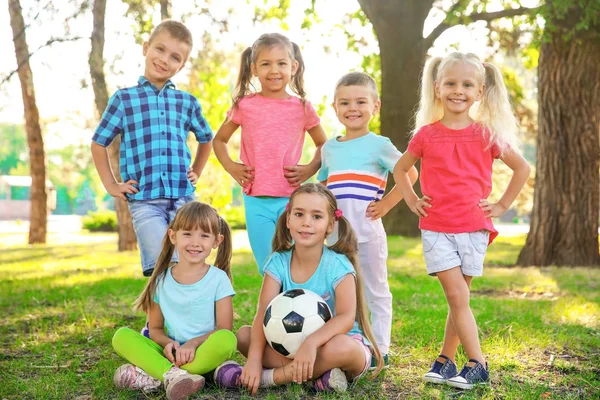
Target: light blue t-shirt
(189, 310)
(356, 172)
(332, 269)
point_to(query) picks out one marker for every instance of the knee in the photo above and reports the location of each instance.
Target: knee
(457, 299)
(243, 339)
(339, 344)
(120, 336)
(225, 341)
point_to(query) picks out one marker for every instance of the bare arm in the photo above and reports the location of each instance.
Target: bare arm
(403, 182)
(107, 176)
(240, 172)
(297, 174)
(378, 209)
(521, 171)
(202, 154)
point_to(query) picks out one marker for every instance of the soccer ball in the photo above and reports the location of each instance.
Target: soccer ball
(291, 317)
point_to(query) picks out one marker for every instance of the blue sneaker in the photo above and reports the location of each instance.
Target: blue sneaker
(441, 372)
(471, 376)
(146, 330)
(386, 362)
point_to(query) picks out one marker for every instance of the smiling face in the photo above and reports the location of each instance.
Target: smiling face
(274, 68)
(165, 56)
(458, 87)
(355, 106)
(308, 220)
(194, 246)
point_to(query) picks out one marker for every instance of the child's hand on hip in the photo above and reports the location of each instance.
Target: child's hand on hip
(493, 210)
(418, 206)
(120, 189)
(241, 173)
(192, 176)
(376, 209)
(297, 174)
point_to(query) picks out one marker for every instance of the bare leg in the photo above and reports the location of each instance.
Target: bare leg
(271, 358)
(340, 352)
(457, 292)
(451, 340)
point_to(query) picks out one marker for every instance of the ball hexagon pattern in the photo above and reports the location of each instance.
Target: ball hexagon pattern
(291, 317)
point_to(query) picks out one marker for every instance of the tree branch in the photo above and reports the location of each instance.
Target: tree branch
(47, 44)
(467, 19)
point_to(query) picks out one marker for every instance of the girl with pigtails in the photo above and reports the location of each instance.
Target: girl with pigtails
(457, 145)
(342, 349)
(274, 124)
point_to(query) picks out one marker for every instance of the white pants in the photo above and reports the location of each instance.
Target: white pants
(373, 263)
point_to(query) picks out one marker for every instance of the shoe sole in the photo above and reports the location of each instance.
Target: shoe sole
(433, 379)
(464, 386)
(338, 381)
(185, 388)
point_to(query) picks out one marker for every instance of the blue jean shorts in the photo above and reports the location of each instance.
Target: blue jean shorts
(444, 251)
(151, 219)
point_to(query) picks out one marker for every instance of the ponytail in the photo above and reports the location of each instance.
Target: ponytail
(495, 112)
(430, 107)
(282, 239)
(244, 80)
(224, 253)
(297, 84)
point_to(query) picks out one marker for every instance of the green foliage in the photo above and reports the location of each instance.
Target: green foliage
(235, 217)
(100, 221)
(142, 12)
(570, 19)
(13, 152)
(268, 11)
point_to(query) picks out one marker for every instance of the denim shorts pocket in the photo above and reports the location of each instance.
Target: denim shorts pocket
(480, 240)
(429, 239)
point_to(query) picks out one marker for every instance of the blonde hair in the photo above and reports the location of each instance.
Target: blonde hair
(191, 216)
(357, 79)
(249, 56)
(347, 244)
(495, 113)
(176, 29)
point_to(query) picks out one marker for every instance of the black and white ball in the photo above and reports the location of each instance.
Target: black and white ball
(291, 317)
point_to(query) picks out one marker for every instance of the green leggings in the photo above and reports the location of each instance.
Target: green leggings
(148, 355)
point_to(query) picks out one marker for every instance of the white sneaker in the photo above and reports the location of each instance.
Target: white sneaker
(131, 377)
(180, 384)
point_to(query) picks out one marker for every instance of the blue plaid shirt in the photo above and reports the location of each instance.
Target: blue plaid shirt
(154, 126)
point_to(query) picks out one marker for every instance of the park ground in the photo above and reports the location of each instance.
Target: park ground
(61, 303)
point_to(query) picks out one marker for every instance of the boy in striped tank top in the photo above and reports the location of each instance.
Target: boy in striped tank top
(355, 168)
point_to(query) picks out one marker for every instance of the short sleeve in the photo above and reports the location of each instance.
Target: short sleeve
(224, 287)
(274, 267)
(235, 114)
(311, 118)
(388, 154)
(198, 123)
(339, 268)
(415, 147)
(111, 123)
(324, 171)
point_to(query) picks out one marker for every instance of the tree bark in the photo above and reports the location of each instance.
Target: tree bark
(127, 238)
(564, 220)
(165, 9)
(402, 49)
(38, 219)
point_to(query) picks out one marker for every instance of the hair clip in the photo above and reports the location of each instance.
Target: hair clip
(287, 207)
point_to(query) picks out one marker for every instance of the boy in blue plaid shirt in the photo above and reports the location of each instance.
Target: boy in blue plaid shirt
(154, 120)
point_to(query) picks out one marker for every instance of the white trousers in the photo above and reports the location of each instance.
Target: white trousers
(373, 263)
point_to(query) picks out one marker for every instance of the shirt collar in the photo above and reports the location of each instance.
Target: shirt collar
(142, 81)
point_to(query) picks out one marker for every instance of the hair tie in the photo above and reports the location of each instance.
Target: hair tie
(483, 64)
(287, 207)
(337, 214)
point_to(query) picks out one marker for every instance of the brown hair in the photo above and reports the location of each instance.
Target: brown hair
(357, 79)
(176, 29)
(244, 81)
(347, 244)
(191, 216)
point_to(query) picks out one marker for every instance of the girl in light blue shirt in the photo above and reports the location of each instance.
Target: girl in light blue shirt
(339, 351)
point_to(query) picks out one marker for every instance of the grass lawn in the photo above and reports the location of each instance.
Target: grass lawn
(61, 303)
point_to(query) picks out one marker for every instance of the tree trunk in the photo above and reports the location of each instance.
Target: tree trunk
(402, 50)
(38, 219)
(564, 220)
(127, 238)
(165, 9)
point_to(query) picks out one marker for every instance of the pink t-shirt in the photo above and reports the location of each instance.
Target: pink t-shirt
(456, 172)
(273, 132)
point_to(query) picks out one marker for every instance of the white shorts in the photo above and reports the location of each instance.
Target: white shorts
(444, 251)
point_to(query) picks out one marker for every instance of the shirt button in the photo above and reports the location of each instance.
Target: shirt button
(164, 173)
(162, 154)
(162, 113)
(163, 132)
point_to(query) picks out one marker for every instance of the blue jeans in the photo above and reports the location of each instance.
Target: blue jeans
(262, 214)
(151, 219)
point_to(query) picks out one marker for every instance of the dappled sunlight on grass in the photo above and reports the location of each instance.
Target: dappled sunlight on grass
(575, 310)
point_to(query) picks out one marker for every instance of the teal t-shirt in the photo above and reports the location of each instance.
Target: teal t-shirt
(189, 310)
(332, 269)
